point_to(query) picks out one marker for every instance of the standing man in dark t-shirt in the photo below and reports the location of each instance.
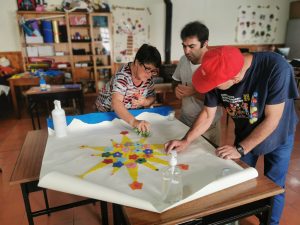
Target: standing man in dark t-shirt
(258, 92)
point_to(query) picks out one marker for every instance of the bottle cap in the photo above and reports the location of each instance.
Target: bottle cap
(57, 104)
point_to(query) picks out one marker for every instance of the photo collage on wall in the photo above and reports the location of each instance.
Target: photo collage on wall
(257, 23)
(131, 30)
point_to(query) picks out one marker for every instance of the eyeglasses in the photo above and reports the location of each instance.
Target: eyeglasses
(148, 70)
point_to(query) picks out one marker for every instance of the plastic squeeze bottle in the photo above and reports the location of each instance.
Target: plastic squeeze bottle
(43, 84)
(172, 181)
(59, 120)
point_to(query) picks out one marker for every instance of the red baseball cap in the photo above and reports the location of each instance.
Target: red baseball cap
(218, 66)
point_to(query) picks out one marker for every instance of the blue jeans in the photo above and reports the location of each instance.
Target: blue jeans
(276, 165)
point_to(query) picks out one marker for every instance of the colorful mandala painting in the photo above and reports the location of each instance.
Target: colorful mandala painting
(130, 155)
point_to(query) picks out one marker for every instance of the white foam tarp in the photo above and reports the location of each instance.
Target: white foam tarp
(109, 162)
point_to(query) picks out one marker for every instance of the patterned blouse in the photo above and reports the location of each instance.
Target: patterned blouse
(122, 83)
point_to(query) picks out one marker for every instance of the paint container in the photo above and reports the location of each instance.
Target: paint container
(171, 115)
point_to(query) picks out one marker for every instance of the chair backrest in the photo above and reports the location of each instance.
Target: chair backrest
(60, 79)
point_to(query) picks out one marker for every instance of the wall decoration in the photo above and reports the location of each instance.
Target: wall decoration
(131, 30)
(257, 23)
(110, 162)
(27, 5)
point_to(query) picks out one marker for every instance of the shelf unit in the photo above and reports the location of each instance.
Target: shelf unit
(87, 50)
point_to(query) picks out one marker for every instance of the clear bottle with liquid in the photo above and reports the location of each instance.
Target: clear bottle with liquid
(43, 84)
(172, 181)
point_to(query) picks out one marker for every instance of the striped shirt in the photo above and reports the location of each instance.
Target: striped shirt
(122, 83)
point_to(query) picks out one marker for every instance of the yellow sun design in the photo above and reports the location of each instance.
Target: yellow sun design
(129, 154)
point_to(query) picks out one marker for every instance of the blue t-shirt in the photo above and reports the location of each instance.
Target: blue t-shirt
(268, 81)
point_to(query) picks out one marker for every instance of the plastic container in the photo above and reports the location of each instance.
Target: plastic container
(171, 115)
(43, 84)
(59, 120)
(172, 181)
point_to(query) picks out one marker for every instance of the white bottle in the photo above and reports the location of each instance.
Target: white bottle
(59, 120)
(172, 181)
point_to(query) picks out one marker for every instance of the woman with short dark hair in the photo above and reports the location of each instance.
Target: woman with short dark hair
(132, 87)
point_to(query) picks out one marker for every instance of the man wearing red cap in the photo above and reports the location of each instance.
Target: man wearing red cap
(258, 92)
(194, 38)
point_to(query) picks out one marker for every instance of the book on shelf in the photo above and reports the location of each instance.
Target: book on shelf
(55, 31)
(47, 31)
(63, 35)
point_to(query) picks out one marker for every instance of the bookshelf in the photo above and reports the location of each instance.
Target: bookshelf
(78, 43)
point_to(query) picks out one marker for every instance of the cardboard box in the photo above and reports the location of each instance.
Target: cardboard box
(34, 39)
(32, 51)
(46, 50)
(59, 53)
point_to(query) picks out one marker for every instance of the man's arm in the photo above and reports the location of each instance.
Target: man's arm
(273, 115)
(202, 123)
(175, 83)
(182, 90)
(145, 102)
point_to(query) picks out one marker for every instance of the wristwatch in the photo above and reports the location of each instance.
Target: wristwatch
(240, 149)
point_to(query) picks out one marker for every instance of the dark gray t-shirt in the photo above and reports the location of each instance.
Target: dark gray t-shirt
(268, 81)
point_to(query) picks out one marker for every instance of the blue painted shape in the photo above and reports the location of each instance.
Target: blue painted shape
(93, 118)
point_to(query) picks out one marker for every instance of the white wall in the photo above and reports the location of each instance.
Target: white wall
(9, 34)
(219, 16)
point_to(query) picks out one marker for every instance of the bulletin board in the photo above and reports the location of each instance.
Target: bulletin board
(131, 30)
(257, 23)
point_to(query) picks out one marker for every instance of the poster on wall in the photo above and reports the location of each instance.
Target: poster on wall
(131, 30)
(257, 23)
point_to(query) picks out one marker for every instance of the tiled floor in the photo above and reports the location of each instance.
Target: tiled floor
(12, 212)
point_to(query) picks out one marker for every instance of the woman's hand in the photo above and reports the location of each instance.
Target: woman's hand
(140, 102)
(141, 125)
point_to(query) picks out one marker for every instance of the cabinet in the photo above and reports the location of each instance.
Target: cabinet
(78, 43)
(295, 10)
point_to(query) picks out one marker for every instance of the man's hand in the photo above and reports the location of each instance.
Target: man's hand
(182, 91)
(179, 145)
(227, 152)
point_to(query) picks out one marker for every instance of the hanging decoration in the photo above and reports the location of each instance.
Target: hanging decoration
(131, 30)
(257, 23)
